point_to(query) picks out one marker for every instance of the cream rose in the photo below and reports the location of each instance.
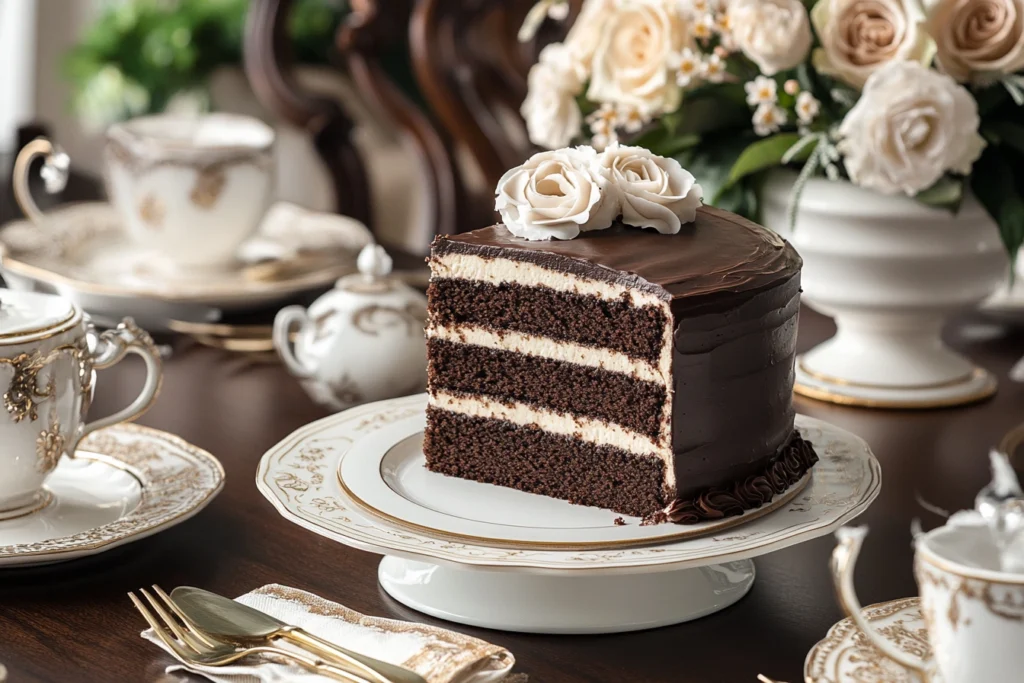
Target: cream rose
(978, 39)
(911, 125)
(552, 116)
(652, 191)
(555, 195)
(774, 34)
(859, 36)
(630, 65)
(586, 30)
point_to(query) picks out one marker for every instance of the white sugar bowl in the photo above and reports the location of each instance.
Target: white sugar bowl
(362, 341)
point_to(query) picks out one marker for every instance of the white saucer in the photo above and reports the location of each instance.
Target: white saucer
(846, 656)
(978, 385)
(125, 483)
(550, 590)
(82, 252)
(386, 475)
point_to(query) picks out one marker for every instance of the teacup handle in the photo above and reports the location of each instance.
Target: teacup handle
(55, 174)
(285, 320)
(844, 559)
(113, 346)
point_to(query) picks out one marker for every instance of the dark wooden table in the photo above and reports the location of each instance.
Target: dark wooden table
(73, 622)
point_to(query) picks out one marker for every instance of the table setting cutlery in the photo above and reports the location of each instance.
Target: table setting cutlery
(278, 633)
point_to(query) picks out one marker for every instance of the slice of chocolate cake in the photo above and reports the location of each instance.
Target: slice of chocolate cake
(650, 374)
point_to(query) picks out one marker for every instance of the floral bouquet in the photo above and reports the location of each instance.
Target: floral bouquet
(916, 97)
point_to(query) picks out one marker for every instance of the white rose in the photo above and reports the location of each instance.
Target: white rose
(910, 126)
(774, 34)
(552, 116)
(652, 191)
(631, 63)
(860, 36)
(555, 194)
(978, 39)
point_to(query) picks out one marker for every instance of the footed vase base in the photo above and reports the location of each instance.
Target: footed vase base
(978, 385)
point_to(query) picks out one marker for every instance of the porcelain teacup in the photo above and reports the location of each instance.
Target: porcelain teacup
(974, 611)
(192, 189)
(48, 354)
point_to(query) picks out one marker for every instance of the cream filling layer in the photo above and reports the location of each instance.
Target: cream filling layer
(597, 432)
(552, 349)
(497, 271)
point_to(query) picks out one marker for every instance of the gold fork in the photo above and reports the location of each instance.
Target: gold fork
(192, 647)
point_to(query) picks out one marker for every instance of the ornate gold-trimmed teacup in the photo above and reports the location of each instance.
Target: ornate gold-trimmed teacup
(48, 354)
(973, 609)
(191, 188)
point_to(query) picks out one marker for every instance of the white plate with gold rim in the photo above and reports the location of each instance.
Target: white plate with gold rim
(126, 483)
(386, 475)
(82, 251)
(550, 590)
(846, 656)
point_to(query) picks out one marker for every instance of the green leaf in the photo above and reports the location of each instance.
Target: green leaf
(947, 193)
(710, 163)
(1007, 133)
(994, 183)
(762, 155)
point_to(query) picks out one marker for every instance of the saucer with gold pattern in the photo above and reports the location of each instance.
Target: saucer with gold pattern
(83, 252)
(125, 483)
(845, 655)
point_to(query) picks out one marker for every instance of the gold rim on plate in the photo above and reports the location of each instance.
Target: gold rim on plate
(148, 517)
(684, 533)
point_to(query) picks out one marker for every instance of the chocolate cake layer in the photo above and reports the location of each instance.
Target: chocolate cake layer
(564, 387)
(530, 459)
(587, 320)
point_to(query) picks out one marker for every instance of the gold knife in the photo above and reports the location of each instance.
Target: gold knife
(231, 621)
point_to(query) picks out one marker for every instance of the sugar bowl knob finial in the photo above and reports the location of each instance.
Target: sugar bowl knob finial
(362, 341)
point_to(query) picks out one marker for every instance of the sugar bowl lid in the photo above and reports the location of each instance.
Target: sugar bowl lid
(24, 315)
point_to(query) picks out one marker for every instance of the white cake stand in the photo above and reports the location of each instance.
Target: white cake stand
(564, 568)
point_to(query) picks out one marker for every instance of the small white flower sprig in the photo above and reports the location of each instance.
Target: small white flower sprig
(560, 193)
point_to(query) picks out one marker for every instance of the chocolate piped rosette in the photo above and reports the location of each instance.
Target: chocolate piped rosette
(615, 343)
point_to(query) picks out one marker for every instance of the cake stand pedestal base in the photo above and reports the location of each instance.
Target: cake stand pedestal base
(532, 602)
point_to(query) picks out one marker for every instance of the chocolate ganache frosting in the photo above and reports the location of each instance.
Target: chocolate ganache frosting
(733, 290)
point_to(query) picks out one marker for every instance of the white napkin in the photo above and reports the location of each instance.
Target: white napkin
(288, 230)
(438, 655)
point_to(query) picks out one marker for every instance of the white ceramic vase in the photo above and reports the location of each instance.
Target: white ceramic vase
(890, 271)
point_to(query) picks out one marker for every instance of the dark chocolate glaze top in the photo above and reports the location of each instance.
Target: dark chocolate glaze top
(719, 252)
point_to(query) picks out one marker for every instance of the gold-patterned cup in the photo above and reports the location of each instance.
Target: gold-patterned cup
(974, 611)
(192, 189)
(48, 354)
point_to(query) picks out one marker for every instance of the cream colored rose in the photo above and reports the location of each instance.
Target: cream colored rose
(586, 30)
(552, 116)
(859, 36)
(911, 125)
(652, 191)
(554, 195)
(631, 62)
(978, 39)
(774, 34)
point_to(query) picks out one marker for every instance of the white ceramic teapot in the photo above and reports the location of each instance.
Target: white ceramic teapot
(362, 341)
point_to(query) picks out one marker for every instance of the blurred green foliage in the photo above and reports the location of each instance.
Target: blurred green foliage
(140, 54)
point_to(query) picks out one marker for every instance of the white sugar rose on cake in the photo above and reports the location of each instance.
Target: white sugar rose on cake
(897, 111)
(600, 344)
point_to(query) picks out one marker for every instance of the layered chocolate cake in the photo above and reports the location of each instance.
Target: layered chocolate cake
(625, 368)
